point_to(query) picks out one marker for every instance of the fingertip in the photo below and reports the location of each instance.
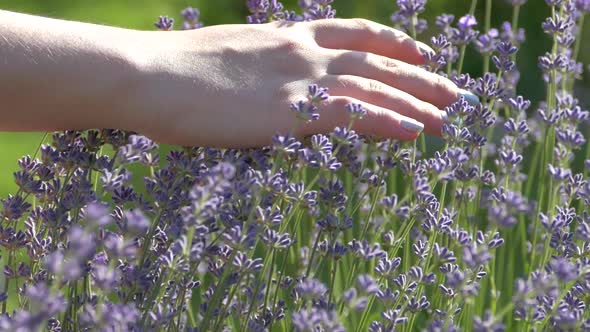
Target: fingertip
(413, 126)
(444, 117)
(412, 51)
(411, 129)
(424, 48)
(469, 97)
(443, 120)
(390, 125)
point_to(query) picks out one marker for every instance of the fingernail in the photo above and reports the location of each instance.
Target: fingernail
(470, 98)
(445, 117)
(424, 48)
(412, 126)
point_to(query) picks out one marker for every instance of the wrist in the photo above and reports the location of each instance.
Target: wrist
(165, 88)
(125, 92)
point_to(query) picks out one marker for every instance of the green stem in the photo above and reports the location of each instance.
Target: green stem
(532, 170)
(579, 39)
(333, 279)
(274, 300)
(371, 211)
(97, 173)
(145, 248)
(422, 139)
(413, 26)
(315, 247)
(392, 253)
(515, 16)
(252, 303)
(9, 263)
(40, 144)
(363, 233)
(472, 7)
(224, 310)
(213, 304)
(461, 58)
(269, 283)
(463, 47)
(365, 315)
(487, 26)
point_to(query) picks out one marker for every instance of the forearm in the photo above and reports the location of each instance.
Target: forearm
(57, 75)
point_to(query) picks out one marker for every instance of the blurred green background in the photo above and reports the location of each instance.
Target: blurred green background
(140, 14)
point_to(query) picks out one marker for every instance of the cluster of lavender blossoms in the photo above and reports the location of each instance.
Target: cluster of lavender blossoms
(338, 233)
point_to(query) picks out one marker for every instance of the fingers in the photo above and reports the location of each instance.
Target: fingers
(378, 121)
(426, 86)
(367, 36)
(387, 97)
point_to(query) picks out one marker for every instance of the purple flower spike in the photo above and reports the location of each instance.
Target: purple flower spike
(356, 111)
(317, 94)
(407, 11)
(467, 23)
(165, 23)
(411, 7)
(563, 269)
(308, 110)
(367, 284)
(191, 18)
(264, 11)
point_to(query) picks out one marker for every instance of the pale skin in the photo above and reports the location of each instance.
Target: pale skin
(220, 86)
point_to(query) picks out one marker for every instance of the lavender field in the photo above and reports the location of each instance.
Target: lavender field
(484, 229)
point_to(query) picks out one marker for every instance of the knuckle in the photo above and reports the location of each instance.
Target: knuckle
(289, 46)
(365, 30)
(374, 88)
(390, 64)
(285, 93)
(296, 58)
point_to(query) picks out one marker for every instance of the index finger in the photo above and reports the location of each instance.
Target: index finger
(368, 36)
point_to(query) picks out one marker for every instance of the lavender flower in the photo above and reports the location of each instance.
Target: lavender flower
(165, 23)
(191, 18)
(464, 32)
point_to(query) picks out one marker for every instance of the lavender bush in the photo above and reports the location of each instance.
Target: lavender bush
(342, 232)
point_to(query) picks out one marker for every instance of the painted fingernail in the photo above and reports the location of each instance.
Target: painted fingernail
(470, 98)
(413, 126)
(424, 48)
(445, 117)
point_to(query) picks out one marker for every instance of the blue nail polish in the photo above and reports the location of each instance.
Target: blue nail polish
(412, 126)
(470, 98)
(445, 117)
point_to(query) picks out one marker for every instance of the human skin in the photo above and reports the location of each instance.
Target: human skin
(219, 86)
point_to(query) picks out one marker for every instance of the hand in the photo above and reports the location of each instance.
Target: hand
(231, 85)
